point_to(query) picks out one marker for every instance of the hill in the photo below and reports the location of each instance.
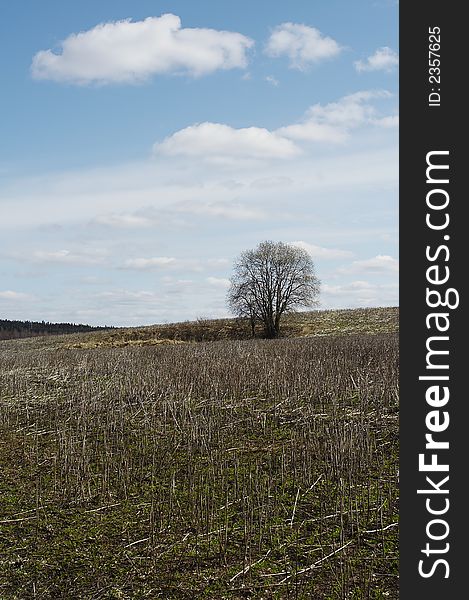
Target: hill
(305, 324)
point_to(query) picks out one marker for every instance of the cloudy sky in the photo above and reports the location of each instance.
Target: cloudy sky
(146, 143)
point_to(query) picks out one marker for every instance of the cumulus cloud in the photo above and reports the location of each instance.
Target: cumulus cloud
(384, 59)
(219, 142)
(132, 52)
(312, 131)
(330, 123)
(303, 45)
(350, 111)
(320, 252)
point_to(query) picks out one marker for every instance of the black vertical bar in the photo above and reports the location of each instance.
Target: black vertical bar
(432, 117)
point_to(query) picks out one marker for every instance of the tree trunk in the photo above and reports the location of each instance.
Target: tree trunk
(253, 326)
(277, 323)
(271, 331)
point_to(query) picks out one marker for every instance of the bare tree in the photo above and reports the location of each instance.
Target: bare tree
(271, 280)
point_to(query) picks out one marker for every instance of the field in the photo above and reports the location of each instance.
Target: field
(181, 461)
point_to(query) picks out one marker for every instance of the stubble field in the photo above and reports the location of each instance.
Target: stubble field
(218, 469)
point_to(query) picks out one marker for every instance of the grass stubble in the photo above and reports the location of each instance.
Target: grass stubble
(224, 469)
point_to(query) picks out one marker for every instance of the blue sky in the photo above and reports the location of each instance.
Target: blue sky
(146, 144)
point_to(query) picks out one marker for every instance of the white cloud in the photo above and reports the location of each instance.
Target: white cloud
(350, 111)
(332, 122)
(320, 197)
(384, 59)
(275, 181)
(218, 262)
(388, 122)
(156, 262)
(320, 252)
(125, 296)
(132, 52)
(271, 79)
(125, 220)
(225, 209)
(359, 294)
(221, 282)
(170, 216)
(11, 295)
(180, 193)
(379, 264)
(67, 257)
(219, 142)
(231, 184)
(311, 131)
(170, 262)
(302, 44)
(175, 301)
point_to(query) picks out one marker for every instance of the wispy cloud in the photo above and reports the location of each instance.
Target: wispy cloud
(224, 209)
(125, 220)
(11, 295)
(359, 293)
(65, 257)
(272, 80)
(221, 282)
(320, 252)
(171, 262)
(132, 52)
(381, 263)
(126, 296)
(275, 181)
(156, 262)
(388, 122)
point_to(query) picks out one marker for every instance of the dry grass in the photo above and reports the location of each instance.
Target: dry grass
(317, 323)
(229, 469)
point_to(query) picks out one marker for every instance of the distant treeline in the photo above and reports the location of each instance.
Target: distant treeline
(23, 329)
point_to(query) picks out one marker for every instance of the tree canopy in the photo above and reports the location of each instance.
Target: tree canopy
(271, 280)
